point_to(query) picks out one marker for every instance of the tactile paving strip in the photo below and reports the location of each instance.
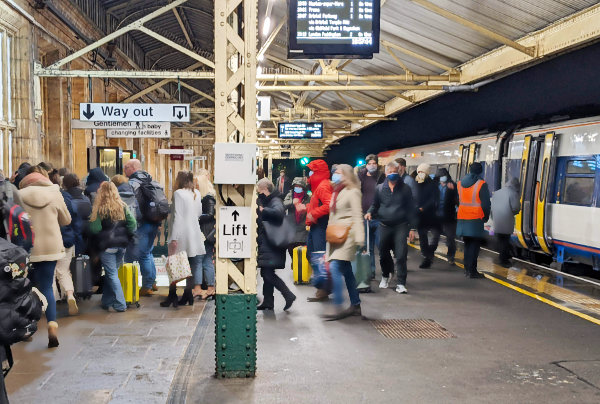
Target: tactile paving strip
(411, 329)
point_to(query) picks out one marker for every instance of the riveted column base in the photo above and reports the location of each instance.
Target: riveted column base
(235, 336)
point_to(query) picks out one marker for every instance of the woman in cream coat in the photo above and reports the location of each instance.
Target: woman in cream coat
(345, 210)
(185, 233)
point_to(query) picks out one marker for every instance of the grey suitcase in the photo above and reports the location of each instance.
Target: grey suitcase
(82, 276)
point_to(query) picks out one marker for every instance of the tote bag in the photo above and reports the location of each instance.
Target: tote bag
(178, 267)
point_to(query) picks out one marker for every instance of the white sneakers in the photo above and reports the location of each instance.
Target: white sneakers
(385, 283)
(401, 289)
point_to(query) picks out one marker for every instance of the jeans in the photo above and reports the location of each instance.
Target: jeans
(449, 230)
(316, 239)
(203, 267)
(472, 245)
(112, 295)
(504, 247)
(142, 252)
(373, 228)
(393, 238)
(42, 276)
(338, 269)
(271, 282)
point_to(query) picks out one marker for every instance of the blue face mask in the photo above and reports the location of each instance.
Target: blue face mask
(393, 177)
(432, 176)
(310, 173)
(444, 179)
(298, 190)
(336, 178)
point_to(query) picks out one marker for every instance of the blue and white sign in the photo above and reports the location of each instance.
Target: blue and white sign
(134, 112)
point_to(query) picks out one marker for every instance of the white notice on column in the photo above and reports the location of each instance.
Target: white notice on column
(234, 232)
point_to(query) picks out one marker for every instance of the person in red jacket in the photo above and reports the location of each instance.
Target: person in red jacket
(317, 217)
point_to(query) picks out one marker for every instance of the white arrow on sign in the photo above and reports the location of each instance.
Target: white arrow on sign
(134, 112)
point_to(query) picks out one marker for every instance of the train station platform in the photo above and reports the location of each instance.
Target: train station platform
(468, 340)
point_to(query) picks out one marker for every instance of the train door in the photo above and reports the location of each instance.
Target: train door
(545, 174)
(467, 157)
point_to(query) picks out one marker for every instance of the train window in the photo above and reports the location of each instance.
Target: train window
(581, 167)
(544, 181)
(578, 190)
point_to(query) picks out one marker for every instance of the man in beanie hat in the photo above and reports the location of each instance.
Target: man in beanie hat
(473, 212)
(427, 201)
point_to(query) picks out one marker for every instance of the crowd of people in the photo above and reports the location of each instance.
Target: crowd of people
(340, 211)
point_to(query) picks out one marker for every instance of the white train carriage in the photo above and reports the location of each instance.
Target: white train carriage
(557, 165)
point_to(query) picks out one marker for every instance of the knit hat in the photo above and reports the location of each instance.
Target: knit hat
(423, 167)
(476, 168)
(300, 181)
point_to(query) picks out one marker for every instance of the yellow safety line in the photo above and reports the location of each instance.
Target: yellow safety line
(527, 293)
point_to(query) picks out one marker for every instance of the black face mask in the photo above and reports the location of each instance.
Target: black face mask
(262, 198)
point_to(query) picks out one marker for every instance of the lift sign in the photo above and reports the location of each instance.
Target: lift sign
(134, 112)
(234, 232)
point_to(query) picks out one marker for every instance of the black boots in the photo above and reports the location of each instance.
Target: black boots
(426, 263)
(289, 301)
(172, 298)
(187, 297)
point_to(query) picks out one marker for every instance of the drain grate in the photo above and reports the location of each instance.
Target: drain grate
(411, 329)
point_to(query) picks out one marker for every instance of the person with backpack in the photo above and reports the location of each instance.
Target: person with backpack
(206, 273)
(154, 209)
(113, 226)
(45, 205)
(94, 179)
(127, 194)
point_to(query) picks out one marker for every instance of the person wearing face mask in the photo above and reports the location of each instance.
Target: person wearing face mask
(370, 176)
(427, 201)
(446, 214)
(473, 212)
(317, 217)
(405, 177)
(394, 207)
(270, 257)
(295, 205)
(345, 214)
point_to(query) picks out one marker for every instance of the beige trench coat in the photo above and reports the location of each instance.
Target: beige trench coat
(349, 213)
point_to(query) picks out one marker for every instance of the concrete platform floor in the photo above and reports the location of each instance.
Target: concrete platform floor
(508, 348)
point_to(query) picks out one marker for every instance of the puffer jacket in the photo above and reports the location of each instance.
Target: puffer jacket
(45, 205)
(208, 219)
(113, 234)
(320, 199)
(270, 256)
(81, 208)
(427, 201)
(301, 234)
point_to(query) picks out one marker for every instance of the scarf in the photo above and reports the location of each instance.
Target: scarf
(34, 179)
(300, 196)
(336, 191)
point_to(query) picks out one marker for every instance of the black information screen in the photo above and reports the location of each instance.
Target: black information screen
(333, 28)
(300, 130)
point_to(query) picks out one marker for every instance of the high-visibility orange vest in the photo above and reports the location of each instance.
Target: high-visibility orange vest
(470, 203)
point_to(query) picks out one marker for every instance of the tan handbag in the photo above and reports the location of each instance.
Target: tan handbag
(337, 233)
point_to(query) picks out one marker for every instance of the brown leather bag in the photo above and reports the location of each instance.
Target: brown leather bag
(337, 233)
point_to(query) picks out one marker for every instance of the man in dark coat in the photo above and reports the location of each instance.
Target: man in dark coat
(283, 183)
(427, 199)
(270, 257)
(473, 212)
(446, 214)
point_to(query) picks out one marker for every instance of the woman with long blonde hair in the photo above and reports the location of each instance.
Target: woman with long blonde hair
(114, 226)
(206, 271)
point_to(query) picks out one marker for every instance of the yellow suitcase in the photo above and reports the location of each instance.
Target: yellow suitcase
(300, 265)
(129, 275)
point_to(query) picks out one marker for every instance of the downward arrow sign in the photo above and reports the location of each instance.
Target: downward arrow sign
(88, 113)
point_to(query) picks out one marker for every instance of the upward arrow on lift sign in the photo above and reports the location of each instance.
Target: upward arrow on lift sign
(88, 113)
(235, 215)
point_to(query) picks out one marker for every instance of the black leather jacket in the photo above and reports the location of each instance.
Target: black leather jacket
(207, 219)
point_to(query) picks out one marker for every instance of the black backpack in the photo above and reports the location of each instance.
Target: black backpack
(17, 225)
(154, 206)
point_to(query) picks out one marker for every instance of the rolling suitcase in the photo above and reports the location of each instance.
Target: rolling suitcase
(128, 276)
(301, 267)
(81, 272)
(363, 267)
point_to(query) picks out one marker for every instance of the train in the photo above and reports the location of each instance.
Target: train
(557, 166)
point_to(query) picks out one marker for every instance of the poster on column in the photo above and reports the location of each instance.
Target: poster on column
(234, 232)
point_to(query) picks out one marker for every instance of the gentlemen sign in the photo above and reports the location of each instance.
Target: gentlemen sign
(143, 130)
(234, 232)
(134, 112)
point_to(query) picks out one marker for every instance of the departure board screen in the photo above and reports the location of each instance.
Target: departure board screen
(300, 130)
(333, 29)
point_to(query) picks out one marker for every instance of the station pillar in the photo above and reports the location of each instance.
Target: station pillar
(235, 122)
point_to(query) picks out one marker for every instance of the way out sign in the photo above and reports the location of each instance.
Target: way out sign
(234, 232)
(134, 112)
